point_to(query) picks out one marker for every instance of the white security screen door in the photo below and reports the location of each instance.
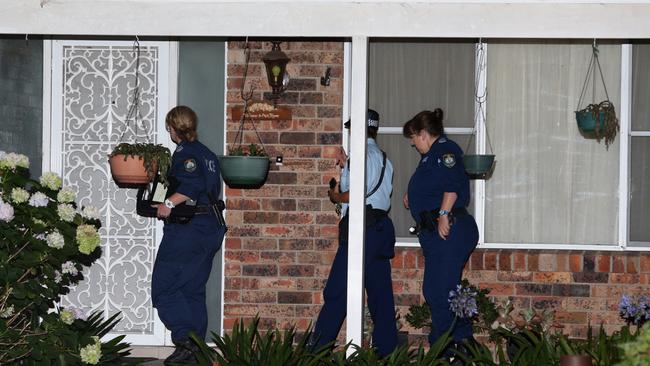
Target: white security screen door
(92, 85)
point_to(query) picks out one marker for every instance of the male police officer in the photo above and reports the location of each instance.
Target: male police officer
(379, 248)
(184, 259)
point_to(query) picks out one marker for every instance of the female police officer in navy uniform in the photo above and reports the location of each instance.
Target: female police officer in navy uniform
(438, 194)
(184, 259)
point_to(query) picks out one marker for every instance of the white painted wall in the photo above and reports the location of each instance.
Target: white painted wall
(341, 18)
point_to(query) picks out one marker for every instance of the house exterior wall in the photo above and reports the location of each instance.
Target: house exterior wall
(283, 236)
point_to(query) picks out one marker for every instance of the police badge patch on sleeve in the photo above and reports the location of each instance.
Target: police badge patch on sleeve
(189, 165)
(449, 160)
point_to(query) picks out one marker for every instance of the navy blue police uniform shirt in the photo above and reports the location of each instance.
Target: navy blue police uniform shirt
(197, 171)
(440, 170)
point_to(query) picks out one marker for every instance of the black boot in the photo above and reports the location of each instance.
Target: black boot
(184, 353)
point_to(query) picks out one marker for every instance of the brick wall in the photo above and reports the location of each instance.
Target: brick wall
(582, 287)
(282, 237)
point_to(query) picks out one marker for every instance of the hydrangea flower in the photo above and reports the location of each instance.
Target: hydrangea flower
(13, 160)
(87, 238)
(19, 195)
(78, 313)
(462, 302)
(51, 180)
(66, 212)
(66, 195)
(6, 211)
(91, 212)
(55, 240)
(92, 353)
(67, 316)
(39, 199)
(69, 268)
(57, 277)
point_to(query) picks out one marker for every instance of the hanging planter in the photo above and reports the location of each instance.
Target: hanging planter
(479, 166)
(135, 164)
(247, 166)
(596, 120)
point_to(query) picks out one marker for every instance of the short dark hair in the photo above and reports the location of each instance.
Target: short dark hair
(425, 120)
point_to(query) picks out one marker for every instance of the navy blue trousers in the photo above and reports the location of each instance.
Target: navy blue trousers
(379, 290)
(181, 270)
(443, 267)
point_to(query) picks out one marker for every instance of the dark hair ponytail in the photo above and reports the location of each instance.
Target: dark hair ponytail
(425, 120)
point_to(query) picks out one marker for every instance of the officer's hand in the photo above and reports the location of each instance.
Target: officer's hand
(163, 211)
(341, 158)
(333, 193)
(443, 226)
(406, 201)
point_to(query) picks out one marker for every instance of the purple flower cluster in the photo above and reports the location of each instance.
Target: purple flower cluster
(462, 302)
(635, 310)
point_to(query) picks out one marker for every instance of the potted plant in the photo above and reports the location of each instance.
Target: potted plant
(138, 163)
(598, 121)
(244, 166)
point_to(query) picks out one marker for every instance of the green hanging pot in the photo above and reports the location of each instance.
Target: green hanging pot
(478, 166)
(244, 171)
(588, 120)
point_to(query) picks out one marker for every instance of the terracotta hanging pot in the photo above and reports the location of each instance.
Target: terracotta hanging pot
(575, 360)
(129, 169)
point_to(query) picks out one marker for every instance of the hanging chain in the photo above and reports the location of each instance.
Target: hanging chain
(591, 73)
(134, 109)
(246, 97)
(480, 96)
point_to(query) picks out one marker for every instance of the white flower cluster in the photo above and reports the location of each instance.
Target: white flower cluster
(66, 212)
(91, 213)
(6, 211)
(92, 353)
(39, 199)
(67, 316)
(69, 268)
(66, 195)
(55, 240)
(51, 181)
(13, 160)
(19, 195)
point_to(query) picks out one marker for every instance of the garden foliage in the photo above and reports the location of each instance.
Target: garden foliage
(45, 241)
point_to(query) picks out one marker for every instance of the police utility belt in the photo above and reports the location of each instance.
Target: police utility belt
(429, 219)
(182, 213)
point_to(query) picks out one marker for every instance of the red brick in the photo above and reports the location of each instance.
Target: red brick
(553, 277)
(627, 278)
(259, 243)
(505, 261)
(632, 264)
(547, 262)
(490, 261)
(533, 261)
(297, 270)
(575, 262)
(295, 297)
(476, 260)
(603, 263)
(618, 264)
(277, 257)
(519, 261)
(515, 276)
(259, 217)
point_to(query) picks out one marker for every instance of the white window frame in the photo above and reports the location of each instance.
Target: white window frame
(624, 166)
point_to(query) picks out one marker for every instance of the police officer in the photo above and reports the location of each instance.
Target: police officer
(379, 249)
(184, 259)
(438, 194)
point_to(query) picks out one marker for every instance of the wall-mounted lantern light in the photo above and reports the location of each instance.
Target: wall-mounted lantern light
(276, 70)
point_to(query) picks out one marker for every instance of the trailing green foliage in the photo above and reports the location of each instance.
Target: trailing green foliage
(156, 157)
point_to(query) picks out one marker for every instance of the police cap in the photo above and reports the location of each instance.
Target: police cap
(372, 119)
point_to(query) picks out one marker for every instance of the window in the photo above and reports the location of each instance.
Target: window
(552, 188)
(639, 158)
(406, 77)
